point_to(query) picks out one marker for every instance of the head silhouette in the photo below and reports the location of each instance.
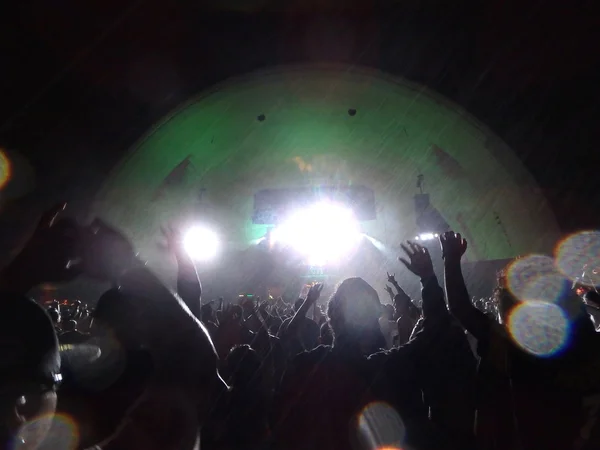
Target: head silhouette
(30, 364)
(353, 311)
(207, 313)
(70, 325)
(243, 366)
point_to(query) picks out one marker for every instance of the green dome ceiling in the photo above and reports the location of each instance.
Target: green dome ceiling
(215, 145)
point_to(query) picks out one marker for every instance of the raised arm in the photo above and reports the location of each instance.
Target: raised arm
(453, 248)
(390, 291)
(188, 283)
(392, 280)
(440, 347)
(313, 295)
(50, 255)
(420, 264)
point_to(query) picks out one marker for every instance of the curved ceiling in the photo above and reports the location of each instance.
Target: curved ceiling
(211, 155)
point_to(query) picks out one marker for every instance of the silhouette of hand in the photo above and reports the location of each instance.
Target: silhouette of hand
(314, 293)
(420, 261)
(52, 254)
(391, 278)
(453, 246)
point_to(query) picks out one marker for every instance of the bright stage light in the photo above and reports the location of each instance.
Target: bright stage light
(201, 243)
(323, 233)
(426, 236)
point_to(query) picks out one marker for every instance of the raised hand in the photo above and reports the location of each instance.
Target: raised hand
(420, 261)
(391, 278)
(389, 290)
(453, 246)
(52, 254)
(314, 293)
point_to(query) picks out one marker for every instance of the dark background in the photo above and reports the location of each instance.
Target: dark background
(81, 81)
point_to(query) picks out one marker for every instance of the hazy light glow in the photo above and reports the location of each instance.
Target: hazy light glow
(580, 253)
(539, 327)
(322, 233)
(47, 431)
(426, 236)
(201, 243)
(535, 277)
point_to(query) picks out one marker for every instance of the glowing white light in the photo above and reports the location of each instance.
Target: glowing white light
(201, 243)
(322, 233)
(426, 236)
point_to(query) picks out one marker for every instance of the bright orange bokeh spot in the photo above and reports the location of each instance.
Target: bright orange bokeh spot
(5, 169)
(380, 427)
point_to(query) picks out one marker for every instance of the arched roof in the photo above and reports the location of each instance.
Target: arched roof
(215, 145)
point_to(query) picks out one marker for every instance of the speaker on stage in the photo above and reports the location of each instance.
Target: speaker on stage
(429, 219)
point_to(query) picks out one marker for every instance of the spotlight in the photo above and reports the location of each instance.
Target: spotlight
(201, 243)
(426, 236)
(322, 233)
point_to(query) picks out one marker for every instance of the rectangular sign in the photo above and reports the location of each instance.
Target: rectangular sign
(272, 205)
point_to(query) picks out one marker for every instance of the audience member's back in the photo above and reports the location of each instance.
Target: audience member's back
(307, 336)
(538, 380)
(325, 390)
(71, 334)
(242, 414)
(540, 402)
(174, 391)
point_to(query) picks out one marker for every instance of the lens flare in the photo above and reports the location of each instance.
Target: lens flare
(322, 233)
(580, 253)
(535, 277)
(51, 430)
(380, 427)
(201, 243)
(539, 327)
(5, 169)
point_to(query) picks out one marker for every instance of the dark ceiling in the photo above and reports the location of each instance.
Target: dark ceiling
(80, 81)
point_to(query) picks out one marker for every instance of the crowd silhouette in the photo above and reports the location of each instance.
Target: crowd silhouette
(147, 368)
